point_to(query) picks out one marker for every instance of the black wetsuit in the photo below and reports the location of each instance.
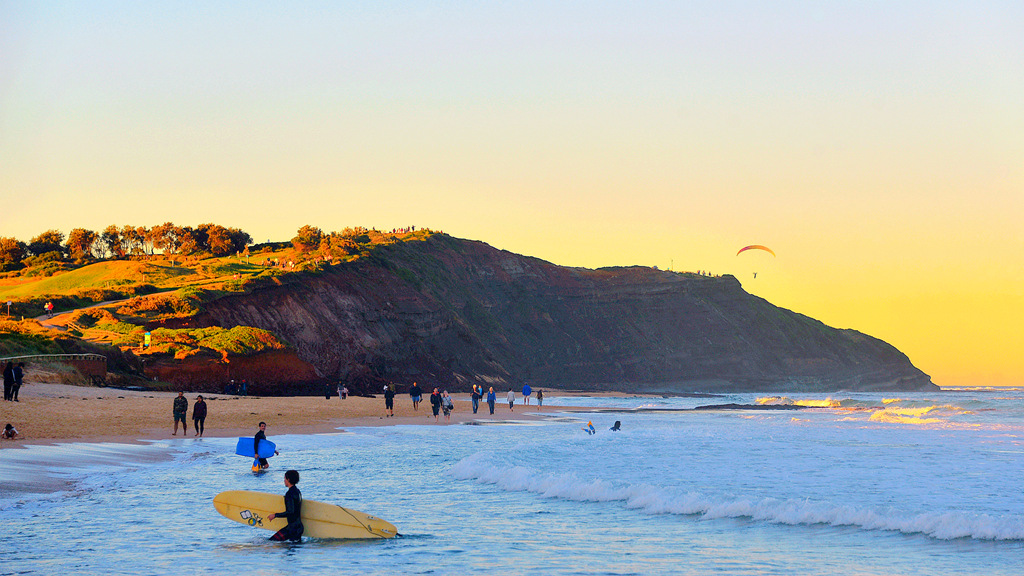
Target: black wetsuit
(261, 435)
(293, 512)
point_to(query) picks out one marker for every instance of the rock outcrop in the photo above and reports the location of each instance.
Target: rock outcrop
(451, 311)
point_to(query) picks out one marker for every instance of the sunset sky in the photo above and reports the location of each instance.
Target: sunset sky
(876, 147)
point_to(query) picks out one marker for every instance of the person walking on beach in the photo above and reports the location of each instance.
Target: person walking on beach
(435, 403)
(540, 399)
(261, 435)
(475, 396)
(292, 510)
(19, 373)
(416, 393)
(511, 400)
(199, 415)
(447, 405)
(389, 400)
(9, 381)
(180, 409)
(491, 397)
(526, 394)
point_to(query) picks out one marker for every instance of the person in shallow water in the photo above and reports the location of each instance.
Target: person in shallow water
(292, 510)
(616, 426)
(261, 435)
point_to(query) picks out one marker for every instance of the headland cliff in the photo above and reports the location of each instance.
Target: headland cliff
(449, 312)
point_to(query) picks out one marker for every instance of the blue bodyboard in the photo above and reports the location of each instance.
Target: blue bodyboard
(244, 448)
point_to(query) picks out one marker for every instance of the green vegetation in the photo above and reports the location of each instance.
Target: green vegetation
(118, 287)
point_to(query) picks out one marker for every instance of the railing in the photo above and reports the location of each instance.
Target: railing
(56, 357)
(92, 366)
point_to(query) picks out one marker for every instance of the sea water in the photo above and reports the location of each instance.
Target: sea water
(848, 484)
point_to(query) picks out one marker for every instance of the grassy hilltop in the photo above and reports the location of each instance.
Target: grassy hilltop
(107, 305)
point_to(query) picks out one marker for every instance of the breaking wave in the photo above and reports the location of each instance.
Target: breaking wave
(947, 525)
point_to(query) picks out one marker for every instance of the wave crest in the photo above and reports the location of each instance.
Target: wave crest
(656, 500)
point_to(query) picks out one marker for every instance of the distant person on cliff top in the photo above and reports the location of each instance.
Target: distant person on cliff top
(416, 393)
(491, 397)
(435, 403)
(180, 408)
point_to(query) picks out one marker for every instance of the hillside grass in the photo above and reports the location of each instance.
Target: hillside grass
(113, 301)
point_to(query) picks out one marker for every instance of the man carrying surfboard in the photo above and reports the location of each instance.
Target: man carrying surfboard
(292, 509)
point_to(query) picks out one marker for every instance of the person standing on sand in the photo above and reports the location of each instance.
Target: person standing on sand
(389, 400)
(491, 397)
(19, 373)
(475, 397)
(199, 415)
(540, 399)
(511, 400)
(526, 394)
(416, 393)
(180, 409)
(292, 510)
(447, 405)
(8, 380)
(435, 403)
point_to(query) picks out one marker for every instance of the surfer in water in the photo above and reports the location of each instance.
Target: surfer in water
(616, 427)
(292, 510)
(261, 435)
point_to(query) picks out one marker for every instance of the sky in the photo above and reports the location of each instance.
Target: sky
(876, 147)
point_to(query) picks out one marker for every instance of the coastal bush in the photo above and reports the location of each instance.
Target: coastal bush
(157, 306)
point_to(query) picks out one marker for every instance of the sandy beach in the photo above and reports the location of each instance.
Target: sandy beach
(50, 413)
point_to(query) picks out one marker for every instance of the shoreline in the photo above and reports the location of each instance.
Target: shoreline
(50, 414)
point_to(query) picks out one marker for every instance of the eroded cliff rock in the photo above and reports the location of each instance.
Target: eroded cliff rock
(452, 311)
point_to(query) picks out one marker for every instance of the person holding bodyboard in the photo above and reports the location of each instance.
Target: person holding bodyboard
(292, 510)
(260, 463)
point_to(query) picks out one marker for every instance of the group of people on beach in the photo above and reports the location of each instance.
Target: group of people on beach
(12, 380)
(441, 401)
(180, 410)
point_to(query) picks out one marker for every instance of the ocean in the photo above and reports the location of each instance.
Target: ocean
(855, 483)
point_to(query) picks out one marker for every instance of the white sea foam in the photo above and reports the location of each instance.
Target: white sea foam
(657, 500)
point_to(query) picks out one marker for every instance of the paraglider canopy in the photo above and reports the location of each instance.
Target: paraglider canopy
(755, 247)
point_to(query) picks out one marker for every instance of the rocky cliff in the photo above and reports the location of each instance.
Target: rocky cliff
(452, 311)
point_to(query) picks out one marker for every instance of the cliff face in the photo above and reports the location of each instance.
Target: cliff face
(452, 311)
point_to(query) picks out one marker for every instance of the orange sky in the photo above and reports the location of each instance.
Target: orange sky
(877, 149)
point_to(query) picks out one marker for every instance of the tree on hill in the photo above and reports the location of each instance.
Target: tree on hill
(49, 241)
(308, 239)
(80, 243)
(110, 240)
(164, 237)
(12, 252)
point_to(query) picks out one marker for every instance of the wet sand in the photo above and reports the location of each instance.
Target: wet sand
(59, 413)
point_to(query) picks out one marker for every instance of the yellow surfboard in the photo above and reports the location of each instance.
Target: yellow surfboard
(319, 519)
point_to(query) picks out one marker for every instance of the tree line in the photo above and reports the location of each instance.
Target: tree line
(116, 242)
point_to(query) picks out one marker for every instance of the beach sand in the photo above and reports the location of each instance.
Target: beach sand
(57, 413)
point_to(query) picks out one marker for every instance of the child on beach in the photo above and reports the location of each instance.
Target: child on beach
(10, 432)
